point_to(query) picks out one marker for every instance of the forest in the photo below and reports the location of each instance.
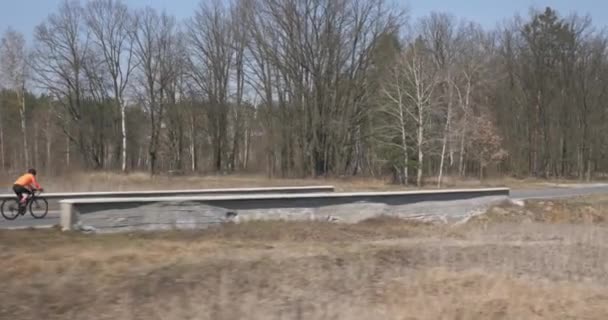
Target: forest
(305, 88)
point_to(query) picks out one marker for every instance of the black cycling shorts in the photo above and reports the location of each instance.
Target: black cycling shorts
(20, 190)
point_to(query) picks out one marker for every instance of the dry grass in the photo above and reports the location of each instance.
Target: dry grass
(591, 210)
(109, 181)
(382, 268)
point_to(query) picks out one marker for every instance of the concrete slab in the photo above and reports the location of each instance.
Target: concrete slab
(351, 207)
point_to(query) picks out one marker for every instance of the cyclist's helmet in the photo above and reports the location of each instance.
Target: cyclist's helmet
(32, 171)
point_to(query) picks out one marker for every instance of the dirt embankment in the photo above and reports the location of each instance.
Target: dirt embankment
(545, 211)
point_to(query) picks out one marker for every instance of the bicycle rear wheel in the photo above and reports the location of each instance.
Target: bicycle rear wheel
(39, 207)
(10, 209)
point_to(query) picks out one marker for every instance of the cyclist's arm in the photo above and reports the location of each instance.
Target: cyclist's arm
(35, 183)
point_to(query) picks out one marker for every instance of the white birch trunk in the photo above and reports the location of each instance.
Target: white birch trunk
(461, 166)
(420, 154)
(192, 148)
(403, 141)
(446, 133)
(123, 122)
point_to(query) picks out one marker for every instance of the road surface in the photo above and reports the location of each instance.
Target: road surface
(519, 194)
(556, 192)
(51, 219)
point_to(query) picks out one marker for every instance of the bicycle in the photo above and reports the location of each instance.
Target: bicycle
(38, 206)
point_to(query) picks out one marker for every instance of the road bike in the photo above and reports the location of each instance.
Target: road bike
(38, 206)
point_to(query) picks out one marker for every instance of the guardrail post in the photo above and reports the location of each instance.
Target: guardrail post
(69, 216)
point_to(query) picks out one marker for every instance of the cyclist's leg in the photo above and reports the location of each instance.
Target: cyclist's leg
(21, 193)
(27, 193)
(18, 191)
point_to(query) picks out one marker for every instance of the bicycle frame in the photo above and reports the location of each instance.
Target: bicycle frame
(30, 197)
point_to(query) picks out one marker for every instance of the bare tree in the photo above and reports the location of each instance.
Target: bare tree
(212, 52)
(112, 27)
(423, 80)
(156, 49)
(411, 91)
(60, 52)
(261, 70)
(443, 39)
(473, 75)
(397, 128)
(239, 44)
(309, 60)
(15, 69)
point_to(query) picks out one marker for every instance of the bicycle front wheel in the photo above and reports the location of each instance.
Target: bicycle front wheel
(10, 209)
(39, 207)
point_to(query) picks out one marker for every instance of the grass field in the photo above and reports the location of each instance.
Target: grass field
(547, 260)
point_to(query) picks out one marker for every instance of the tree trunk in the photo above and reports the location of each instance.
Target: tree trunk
(451, 155)
(35, 156)
(562, 157)
(446, 132)
(420, 153)
(461, 156)
(589, 165)
(67, 153)
(218, 154)
(152, 151)
(406, 176)
(461, 160)
(234, 155)
(193, 159)
(140, 161)
(26, 155)
(123, 127)
(154, 133)
(442, 160)
(536, 156)
(247, 149)
(180, 151)
(48, 151)
(2, 154)
(581, 159)
(584, 154)
(402, 114)
(152, 163)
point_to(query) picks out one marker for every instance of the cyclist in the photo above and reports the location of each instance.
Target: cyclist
(25, 184)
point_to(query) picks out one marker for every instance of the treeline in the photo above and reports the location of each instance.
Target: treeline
(304, 88)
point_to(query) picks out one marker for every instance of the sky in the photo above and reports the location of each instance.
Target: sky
(24, 15)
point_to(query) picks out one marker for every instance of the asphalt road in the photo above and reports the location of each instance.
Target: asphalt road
(554, 193)
(52, 218)
(26, 221)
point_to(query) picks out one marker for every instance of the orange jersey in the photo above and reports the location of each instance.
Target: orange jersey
(27, 180)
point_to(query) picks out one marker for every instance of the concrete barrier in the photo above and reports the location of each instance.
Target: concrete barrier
(170, 193)
(71, 209)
